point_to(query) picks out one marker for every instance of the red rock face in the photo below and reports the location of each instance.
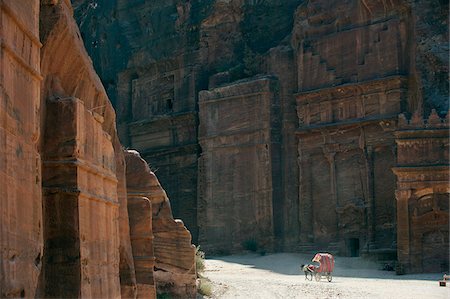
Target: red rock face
(128, 287)
(81, 256)
(238, 145)
(348, 42)
(344, 70)
(141, 229)
(351, 87)
(171, 252)
(140, 211)
(80, 204)
(422, 194)
(20, 163)
(64, 203)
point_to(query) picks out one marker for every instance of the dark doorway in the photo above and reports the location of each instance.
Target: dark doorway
(169, 105)
(435, 251)
(353, 247)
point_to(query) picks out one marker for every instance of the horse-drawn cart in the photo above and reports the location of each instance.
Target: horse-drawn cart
(326, 266)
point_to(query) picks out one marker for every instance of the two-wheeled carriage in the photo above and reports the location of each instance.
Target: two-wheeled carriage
(326, 266)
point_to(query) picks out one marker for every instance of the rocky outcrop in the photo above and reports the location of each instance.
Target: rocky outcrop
(63, 190)
(81, 256)
(172, 253)
(127, 274)
(80, 205)
(344, 71)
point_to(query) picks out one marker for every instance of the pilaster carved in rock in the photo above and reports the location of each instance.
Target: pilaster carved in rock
(306, 207)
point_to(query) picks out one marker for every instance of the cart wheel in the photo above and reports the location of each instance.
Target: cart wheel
(329, 277)
(318, 276)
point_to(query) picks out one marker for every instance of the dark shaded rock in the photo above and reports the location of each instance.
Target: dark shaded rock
(344, 71)
(167, 52)
(239, 170)
(422, 194)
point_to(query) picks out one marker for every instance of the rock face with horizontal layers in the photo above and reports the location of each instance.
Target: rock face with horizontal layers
(79, 167)
(172, 253)
(244, 144)
(356, 72)
(63, 190)
(20, 162)
(351, 61)
(80, 204)
(140, 213)
(155, 56)
(344, 70)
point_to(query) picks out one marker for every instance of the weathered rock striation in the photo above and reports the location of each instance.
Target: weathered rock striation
(170, 258)
(155, 56)
(20, 162)
(238, 143)
(351, 83)
(187, 85)
(65, 225)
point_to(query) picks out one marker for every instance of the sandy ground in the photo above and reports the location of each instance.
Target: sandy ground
(278, 276)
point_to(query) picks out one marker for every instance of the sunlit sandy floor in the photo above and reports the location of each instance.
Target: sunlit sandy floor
(278, 276)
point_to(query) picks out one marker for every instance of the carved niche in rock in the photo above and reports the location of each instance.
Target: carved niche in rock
(429, 226)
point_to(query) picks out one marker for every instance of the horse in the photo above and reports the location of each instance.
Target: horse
(308, 269)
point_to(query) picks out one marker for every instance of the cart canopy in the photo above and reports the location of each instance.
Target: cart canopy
(326, 262)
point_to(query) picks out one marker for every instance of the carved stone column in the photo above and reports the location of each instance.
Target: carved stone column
(369, 197)
(330, 153)
(333, 191)
(306, 210)
(370, 201)
(403, 246)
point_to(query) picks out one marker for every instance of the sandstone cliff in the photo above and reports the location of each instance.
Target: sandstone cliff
(65, 221)
(21, 222)
(184, 79)
(170, 258)
(155, 56)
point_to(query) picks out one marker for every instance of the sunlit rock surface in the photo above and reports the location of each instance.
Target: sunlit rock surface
(172, 254)
(64, 210)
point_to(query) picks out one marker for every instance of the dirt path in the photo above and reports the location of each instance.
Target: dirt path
(278, 276)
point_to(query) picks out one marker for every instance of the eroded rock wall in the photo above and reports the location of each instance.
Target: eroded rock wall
(351, 60)
(21, 225)
(430, 39)
(239, 168)
(422, 193)
(80, 164)
(345, 70)
(64, 209)
(81, 209)
(127, 274)
(160, 55)
(167, 249)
